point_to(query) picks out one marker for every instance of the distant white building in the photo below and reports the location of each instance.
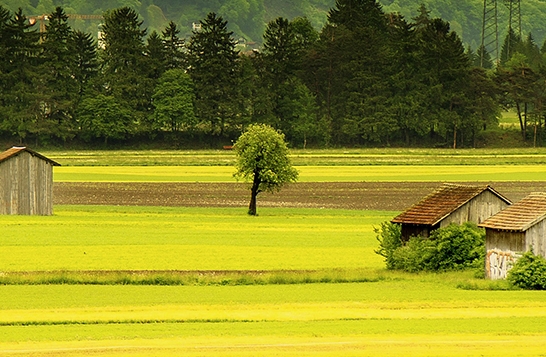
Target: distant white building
(196, 26)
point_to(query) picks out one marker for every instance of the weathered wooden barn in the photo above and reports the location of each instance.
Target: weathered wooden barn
(516, 229)
(26, 182)
(450, 204)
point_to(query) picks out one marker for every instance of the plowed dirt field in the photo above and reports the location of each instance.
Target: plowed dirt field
(353, 195)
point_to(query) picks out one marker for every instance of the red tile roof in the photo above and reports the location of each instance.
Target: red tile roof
(16, 150)
(441, 203)
(521, 215)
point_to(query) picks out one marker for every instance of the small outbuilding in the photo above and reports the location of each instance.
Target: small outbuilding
(26, 182)
(518, 228)
(450, 203)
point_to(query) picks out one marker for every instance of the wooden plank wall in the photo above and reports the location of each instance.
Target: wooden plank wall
(505, 241)
(535, 238)
(477, 210)
(26, 186)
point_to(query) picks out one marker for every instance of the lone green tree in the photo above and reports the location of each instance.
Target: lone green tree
(262, 157)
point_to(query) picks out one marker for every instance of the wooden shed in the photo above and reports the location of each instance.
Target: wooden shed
(26, 182)
(450, 204)
(518, 228)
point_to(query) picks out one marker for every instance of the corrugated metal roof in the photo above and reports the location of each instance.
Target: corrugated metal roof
(442, 202)
(16, 150)
(521, 215)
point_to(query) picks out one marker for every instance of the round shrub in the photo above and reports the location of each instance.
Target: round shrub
(529, 272)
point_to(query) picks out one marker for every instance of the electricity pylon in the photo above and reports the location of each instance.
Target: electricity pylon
(514, 22)
(490, 32)
(490, 29)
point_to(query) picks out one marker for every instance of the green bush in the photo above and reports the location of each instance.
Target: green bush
(458, 247)
(529, 272)
(451, 248)
(415, 255)
(389, 236)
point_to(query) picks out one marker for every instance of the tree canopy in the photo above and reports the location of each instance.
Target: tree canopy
(262, 159)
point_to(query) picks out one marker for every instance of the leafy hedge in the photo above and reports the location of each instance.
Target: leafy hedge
(529, 272)
(451, 248)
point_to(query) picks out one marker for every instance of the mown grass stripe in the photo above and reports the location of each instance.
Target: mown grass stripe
(191, 278)
(123, 322)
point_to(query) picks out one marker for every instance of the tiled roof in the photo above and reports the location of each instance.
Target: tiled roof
(442, 202)
(521, 215)
(16, 150)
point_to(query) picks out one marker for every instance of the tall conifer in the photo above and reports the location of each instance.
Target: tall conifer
(213, 66)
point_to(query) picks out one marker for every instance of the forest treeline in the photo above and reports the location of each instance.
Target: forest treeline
(367, 78)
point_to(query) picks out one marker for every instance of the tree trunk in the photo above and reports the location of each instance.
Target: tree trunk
(455, 136)
(535, 136)
(525, 123)
(254, 193)
(521, 125)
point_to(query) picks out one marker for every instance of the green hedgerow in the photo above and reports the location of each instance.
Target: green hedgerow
(451, 248)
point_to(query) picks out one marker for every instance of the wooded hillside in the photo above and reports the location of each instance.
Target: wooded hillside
(247, 18)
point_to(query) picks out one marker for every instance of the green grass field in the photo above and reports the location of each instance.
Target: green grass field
(422, 317)
(485, 173)
(155, 238)
(391, 314)
(509, 119)
(67, 286)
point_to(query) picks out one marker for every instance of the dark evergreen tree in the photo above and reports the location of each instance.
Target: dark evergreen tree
(355, 73)
(483, 59)
(531, 50)
(174, 47)
(5, 64)
(285, 45)
(86, 65)
(155, 56)
(512, 42)
(472, 56)
(407, 102)
(213, 66)
(122, 39)
(280, 50)
(124, 65)
(445, 74)
(59, 64)
(483, 109)
(357, 13)
(24, 95)
(257, 101)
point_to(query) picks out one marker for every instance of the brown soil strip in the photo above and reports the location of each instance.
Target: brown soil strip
(394, 196)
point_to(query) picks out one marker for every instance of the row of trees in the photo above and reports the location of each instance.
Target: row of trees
(368, 78)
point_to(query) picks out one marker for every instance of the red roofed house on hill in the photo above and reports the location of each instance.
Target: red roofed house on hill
(518, 228)
(450, 204)
(26, 182)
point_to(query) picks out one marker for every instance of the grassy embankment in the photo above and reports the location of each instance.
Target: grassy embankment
(380, 313)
